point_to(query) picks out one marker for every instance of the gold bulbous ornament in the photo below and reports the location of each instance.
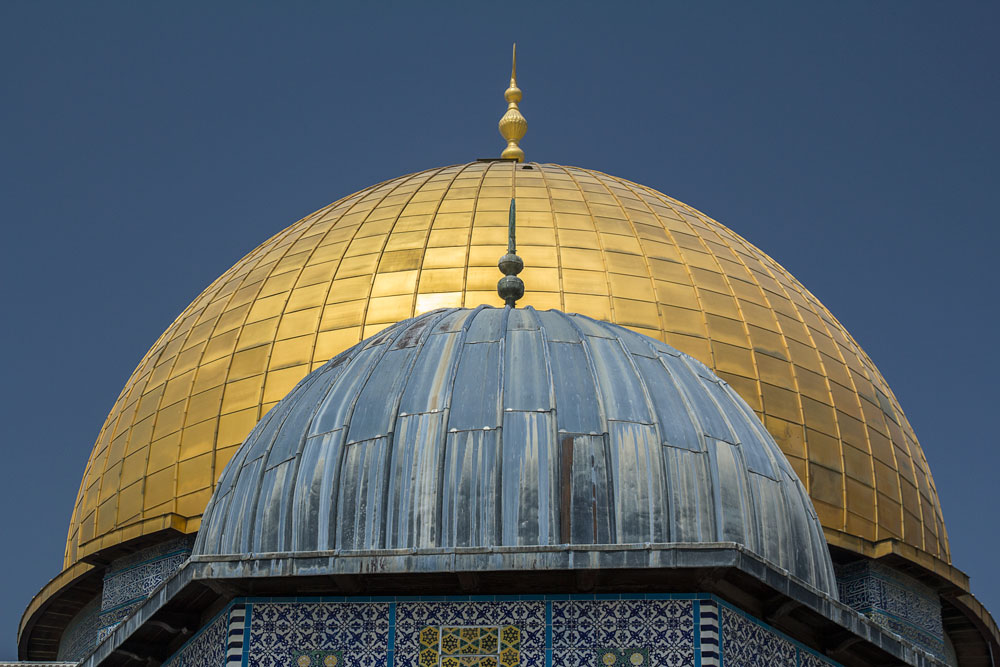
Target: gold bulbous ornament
(512, 124)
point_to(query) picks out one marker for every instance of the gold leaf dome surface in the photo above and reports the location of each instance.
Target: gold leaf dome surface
(591, 243)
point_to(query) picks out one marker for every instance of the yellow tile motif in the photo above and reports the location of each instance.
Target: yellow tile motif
(592, 243)
(470, 646)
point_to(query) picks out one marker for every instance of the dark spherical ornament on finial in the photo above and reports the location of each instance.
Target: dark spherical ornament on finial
(510, 264)
(510, 289)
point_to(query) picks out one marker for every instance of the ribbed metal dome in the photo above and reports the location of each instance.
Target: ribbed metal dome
(512, 427)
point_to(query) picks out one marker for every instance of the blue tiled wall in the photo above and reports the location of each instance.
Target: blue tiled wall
(555, 631)
(895, 601)
(129, 580)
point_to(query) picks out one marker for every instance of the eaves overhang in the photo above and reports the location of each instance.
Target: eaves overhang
(205, 584)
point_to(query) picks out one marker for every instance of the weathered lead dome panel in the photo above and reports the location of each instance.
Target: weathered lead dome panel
(500, 427)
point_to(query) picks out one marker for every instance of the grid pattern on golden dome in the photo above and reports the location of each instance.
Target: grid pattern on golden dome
(592, 244)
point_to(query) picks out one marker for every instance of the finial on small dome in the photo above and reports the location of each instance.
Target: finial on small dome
(512, 124)
(511, 288)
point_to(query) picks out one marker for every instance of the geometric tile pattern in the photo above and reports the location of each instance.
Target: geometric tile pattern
(129, 580)
(137, 574)
(317, 658)
(623, 657)
(491, 631)
(811, 660)
(485, 633)
(470, 646)
(358, 633)
(207, 649)
(583, 630)
(749, 644)
(895, 601)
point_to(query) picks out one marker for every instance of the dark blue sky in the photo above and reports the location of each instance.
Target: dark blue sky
(145, 148)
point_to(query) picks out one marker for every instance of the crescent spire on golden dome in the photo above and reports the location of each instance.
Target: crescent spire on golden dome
(512, 123)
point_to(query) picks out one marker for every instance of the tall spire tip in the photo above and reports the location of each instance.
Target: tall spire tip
(513, 125)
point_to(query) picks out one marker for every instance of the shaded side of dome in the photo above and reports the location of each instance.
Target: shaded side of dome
(500, 427)
(593, 244)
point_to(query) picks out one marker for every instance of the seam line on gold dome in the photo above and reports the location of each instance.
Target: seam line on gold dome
(754, 354)
(793, 369)
(598, 176)
(289, 231)
(391, 186)
(329, 288)
(468, 242)
(430, 173)
(600, 241)
(460, 169)
(555, 234)
(670, 204)
(186, 334)
(312, 348)
(829, 391)
(871, 373)
(691, 281)
(866, 370)
(725, 277)
(864, 418)
(861, 414)
(257, 261)
(796, 386)
(347, 245)
(784, 338)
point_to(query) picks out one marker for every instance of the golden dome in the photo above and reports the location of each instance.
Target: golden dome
(592, 244)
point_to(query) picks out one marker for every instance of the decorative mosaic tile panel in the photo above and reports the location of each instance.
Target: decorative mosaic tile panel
(360, 631)
(581, 627)
(109, 620)
(623, 657)
(317, 658)
(470, 646)
(749, 644)
(895, 601)
(135, 575)
(207, 649)
(130, 580)
(577, 632)
(516, 628)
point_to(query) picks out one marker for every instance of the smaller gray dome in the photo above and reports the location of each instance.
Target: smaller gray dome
(512, 427)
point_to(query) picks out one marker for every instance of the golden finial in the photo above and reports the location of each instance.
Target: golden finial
(512, 124)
